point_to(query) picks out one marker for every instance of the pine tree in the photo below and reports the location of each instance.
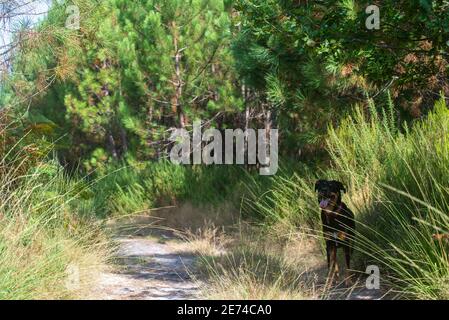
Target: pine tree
(312, 60)
(132, 72)
(176, 64)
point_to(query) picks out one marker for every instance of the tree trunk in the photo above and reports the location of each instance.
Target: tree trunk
(268, 122)
(112, 147)
(124, 139)
(177, 79)
(246, 120)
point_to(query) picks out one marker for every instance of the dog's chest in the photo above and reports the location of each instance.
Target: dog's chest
(334, 228)
(332, 220)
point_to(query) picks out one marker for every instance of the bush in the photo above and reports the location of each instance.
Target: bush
(42, 233)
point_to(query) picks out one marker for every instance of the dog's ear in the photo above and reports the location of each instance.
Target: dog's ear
(339, 186)
(318, 184)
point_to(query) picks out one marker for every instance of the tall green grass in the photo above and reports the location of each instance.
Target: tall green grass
(398, 183)
(404, 176)
(285, 199)
(42, 235)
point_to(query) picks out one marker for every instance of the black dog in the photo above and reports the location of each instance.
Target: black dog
(338, 223)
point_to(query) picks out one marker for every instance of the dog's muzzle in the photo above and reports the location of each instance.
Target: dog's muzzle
(324, 203)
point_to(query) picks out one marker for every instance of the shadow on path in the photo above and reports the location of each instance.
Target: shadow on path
(147, 269)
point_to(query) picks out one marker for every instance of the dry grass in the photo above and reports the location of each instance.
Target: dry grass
(207, 241)
(40, 264)
(189, 217)
(245, 261)
(238, 260)
(248, 264)
(86, 263)
(257, 265)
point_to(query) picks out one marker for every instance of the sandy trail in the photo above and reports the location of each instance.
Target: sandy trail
(148, 269)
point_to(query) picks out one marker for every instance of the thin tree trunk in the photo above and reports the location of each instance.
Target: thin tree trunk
(268, 122)
(112, 146)
(177, 79)
(124, 138)
(247, 115)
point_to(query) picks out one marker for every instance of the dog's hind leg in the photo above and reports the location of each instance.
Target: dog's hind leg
(347, 250)
(347, 257)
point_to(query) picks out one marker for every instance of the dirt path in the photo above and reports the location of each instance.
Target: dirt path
(151, 263)
(148, 268)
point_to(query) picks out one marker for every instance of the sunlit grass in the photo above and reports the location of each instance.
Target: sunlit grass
(397, 180)
(42, 235)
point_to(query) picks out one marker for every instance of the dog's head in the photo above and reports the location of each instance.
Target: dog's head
(329, 193)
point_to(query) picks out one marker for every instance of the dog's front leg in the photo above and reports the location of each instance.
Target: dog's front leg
(333, 266)
(334, 259)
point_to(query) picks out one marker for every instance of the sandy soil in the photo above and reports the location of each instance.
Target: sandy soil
(148, 268)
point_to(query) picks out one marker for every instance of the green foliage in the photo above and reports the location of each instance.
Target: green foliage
(176, 66)
(130, 190)
(406, 174)
(114, 87)
(136, 70)
(313, 60)
(107, 96)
